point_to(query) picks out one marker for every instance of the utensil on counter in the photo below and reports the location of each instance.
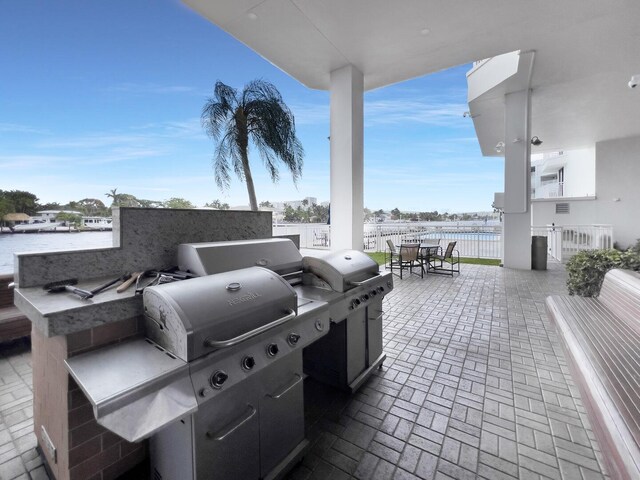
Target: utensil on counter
(67, 285)
(167, 275)
(122, 278)
(127, 283)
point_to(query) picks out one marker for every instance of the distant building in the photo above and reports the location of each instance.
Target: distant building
(280, 206)
(49, 216)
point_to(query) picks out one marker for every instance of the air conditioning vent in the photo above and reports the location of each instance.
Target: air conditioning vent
(562, 208)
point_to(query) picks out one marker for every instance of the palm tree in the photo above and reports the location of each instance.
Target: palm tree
(115, 197)
(258, 114)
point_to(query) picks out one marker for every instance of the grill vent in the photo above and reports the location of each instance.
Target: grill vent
(156, 475)
(562, 208)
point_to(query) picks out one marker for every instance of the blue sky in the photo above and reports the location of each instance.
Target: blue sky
(102, 95)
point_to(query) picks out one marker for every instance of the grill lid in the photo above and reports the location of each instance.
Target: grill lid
(194, 317)
(277, 254)
(342, 270)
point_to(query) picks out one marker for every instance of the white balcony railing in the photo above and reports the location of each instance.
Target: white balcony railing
(565, 241)
(550, 190)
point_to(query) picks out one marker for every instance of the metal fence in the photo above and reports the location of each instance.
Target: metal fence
(472, 240)
(477, 241)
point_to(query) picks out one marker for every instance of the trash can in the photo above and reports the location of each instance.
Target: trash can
(538, 252)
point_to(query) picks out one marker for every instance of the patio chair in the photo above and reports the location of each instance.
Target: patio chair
(446, 263)
(405, 259)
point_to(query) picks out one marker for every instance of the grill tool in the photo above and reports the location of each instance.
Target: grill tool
(101, 288)
(127, 283)
(67, 285)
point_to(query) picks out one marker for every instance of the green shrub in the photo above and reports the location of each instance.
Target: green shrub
(586, 270)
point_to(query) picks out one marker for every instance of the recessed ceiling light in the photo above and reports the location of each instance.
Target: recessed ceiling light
(252, 16)
(425, 31)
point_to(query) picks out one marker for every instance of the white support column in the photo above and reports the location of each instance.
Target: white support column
(517, 180)
(347, 163)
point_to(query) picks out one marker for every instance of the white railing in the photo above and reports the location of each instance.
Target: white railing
(565, 241)
(550, 190)
(479, 241)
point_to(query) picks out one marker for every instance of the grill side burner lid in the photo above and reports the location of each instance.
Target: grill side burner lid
(343, 269)
(277, 254)
(200, 315)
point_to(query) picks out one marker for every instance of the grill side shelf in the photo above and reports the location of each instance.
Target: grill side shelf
(135, 387)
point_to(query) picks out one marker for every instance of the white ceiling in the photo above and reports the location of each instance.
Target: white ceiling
(586, 50)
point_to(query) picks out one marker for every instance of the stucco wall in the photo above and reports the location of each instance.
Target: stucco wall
(580, 173)
(617, 177)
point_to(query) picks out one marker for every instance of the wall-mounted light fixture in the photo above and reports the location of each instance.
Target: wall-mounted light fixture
(499, 147)
(535, 141)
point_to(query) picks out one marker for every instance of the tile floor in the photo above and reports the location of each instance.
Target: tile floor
(475, 385)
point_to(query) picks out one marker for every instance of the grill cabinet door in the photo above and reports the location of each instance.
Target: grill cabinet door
(356, 343)
(374, 332)
(227, 435)
(281, 411)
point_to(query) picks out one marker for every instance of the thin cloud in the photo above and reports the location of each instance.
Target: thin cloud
(29, 161)
(18, 128)
(411, 111)
(150, 88)
(310, 113)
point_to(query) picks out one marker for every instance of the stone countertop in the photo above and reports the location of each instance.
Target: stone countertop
(64, 312)
(144, 239)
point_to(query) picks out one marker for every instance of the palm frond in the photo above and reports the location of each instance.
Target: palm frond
(259, 115)
(218, 109)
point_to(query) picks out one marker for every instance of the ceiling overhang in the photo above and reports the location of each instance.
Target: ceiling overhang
(586, 51)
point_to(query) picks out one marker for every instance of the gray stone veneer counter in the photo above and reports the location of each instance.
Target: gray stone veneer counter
(64, 313)
(144, 239)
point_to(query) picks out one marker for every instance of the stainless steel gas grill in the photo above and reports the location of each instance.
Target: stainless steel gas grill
(218, 382)
(217, 385)
(349, 281)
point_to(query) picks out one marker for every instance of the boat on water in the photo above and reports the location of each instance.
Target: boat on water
(38, 226)
(97, 223)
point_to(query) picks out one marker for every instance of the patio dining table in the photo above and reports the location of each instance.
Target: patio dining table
(426, 250)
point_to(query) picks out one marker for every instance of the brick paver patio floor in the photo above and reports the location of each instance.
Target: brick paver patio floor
(475, 385)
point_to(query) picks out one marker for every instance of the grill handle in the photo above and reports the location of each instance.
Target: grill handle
(228, 430)
(364, 282)
(296, 381)
(251, 333)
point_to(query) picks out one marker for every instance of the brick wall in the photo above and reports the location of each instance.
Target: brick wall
(85, 450)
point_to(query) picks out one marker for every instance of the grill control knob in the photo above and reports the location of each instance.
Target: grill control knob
(381, 289)
(355, 303)
(373, 293)
(293, 338)
(204, 392)
(248, 362)
(272, 349)
(218, 378)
